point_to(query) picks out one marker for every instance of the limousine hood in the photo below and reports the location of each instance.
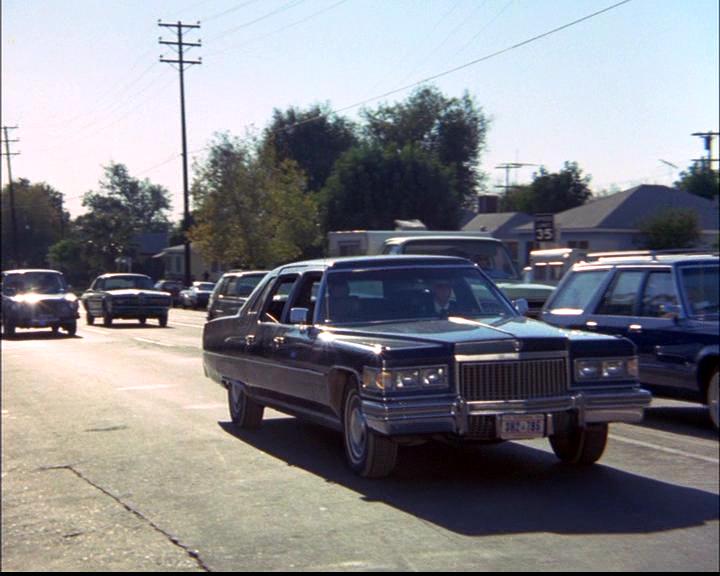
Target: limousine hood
(473, 336)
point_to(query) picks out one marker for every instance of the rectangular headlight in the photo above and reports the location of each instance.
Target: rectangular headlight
(398, 380)
(604, 369)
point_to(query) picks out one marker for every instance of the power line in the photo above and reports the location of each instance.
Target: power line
(487, 57)
(281, 29)
(463, 66)
(282, 8)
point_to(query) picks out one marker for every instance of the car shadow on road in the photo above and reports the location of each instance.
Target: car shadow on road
(36, 335)
(690, 420)
(132, 325)
(494, 489)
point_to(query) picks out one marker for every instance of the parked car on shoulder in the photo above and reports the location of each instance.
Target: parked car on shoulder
(231, 292)
(122, 296)
(488, 253)
(402, 349)
(172, 286)
(667, 304)
(36, 298)
(197, 295)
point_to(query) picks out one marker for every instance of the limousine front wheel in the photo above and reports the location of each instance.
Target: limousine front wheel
(369, 454)
(244, 411)
(581, 445)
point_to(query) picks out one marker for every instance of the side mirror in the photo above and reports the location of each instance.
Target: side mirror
(299, 315)
(522, 306)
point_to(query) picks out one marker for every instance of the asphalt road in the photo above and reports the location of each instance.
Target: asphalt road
(117, 454)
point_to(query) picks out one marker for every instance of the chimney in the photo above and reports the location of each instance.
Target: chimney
(488, 203)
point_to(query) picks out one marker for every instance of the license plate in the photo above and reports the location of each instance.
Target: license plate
(521, 426)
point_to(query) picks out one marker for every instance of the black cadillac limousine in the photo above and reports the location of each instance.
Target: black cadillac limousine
(399, 349)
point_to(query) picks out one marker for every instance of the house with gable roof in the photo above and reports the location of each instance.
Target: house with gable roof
(608, 223)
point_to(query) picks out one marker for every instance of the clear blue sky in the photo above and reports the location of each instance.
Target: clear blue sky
(616, 93)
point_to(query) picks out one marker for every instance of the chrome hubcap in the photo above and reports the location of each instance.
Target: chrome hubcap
(357, 432)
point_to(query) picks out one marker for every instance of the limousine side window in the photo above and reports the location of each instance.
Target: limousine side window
(276, 299)
(306, 294)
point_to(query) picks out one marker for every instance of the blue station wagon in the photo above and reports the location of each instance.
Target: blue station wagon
(667, 304)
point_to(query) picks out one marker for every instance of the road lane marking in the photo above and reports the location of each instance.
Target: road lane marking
(149, 387)
(157, 342)
(213, 406)
(175, 323)
(663, 449)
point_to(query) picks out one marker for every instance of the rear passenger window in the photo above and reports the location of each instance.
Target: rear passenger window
(620, 297)
(658, 295)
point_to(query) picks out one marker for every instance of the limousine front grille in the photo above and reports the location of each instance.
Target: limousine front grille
(513, 380)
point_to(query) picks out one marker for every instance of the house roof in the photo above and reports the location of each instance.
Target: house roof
(629, 209)
(151, 242)
(497, 223)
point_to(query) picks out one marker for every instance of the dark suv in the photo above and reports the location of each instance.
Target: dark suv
(666, 304)
(231, 292)
(37, 299)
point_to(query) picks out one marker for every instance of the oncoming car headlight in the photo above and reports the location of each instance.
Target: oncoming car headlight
(405, 379)
(606, 369)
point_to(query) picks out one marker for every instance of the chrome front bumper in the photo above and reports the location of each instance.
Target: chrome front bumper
(455, 416)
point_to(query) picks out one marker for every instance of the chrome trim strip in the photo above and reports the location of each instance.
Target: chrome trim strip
(552, 355)
(262, 363)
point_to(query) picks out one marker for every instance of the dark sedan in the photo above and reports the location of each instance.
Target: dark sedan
(401, 349)
(113, 296)
(37, 299)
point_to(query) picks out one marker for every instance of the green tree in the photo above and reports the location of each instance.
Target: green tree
(40, 221)
(122, 208)
(372, 186)
(676, 228)
(314, 138)
(700, 179)
(70, 256)
(453, 130)
(252, 211)
(550, 192)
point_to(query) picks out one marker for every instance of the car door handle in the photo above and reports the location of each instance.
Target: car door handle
(250, 339)
(635, 329)
(278, 341)
(591, 325)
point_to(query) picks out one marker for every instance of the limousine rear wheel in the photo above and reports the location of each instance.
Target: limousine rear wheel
(369, 454)
(244, 411)
(581, 445)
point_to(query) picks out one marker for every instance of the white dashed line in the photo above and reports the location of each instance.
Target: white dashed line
(664, 449)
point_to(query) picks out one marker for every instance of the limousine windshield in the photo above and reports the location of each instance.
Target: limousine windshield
(411, 294)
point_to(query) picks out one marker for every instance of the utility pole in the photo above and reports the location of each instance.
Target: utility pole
(180, 45)
(11, 189)
(507, 167)
(708, 138)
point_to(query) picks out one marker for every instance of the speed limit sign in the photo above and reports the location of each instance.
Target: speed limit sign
(544, 227)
